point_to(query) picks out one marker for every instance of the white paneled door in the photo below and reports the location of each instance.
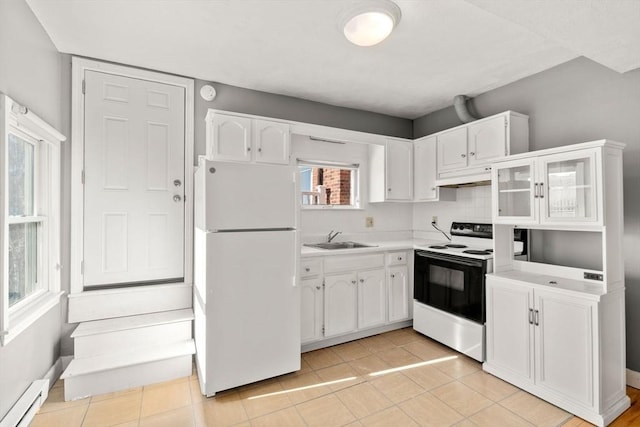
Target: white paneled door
(134, 180)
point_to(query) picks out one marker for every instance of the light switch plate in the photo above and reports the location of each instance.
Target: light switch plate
(368, 221)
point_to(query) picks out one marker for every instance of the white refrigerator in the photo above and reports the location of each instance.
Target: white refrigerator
(246, 299)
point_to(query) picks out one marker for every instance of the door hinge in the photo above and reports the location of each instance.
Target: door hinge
(82, 176)
(323, 330)
(82, 267)
(84, 87)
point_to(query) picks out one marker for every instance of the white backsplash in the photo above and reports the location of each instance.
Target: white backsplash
(472, 204)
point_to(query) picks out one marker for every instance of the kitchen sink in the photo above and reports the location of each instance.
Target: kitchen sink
(338, 245)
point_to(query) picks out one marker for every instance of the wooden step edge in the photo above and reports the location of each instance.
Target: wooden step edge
(95, 364)
(96, 327)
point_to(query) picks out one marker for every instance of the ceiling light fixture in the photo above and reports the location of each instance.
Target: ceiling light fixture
(369, 22)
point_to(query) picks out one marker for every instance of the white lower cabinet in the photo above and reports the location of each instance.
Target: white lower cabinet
(399, 295)
(346, 294)
(311, 306)
(547, 343)
(340, 304)
(372, 298)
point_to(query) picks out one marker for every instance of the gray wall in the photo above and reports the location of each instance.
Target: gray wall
(248, 101)
(576, 102)
(31, 73)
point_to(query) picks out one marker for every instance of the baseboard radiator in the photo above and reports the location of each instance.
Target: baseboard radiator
(22, 413)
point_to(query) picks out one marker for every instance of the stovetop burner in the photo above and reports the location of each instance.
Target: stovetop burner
(455, 246)
(476, 252)
(437, 247)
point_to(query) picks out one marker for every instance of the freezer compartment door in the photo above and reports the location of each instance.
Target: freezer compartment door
(239, 197)
(252, 307)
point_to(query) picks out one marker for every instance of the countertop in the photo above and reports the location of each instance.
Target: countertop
(376, 246)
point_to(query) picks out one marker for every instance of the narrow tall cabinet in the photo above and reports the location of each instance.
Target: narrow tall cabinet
(555, 331)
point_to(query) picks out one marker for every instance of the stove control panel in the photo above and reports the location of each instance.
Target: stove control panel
(471, 229)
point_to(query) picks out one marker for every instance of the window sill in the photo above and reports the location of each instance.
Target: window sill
(21, 319)
(330, 208)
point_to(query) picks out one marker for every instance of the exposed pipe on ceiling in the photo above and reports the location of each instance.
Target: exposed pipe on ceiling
(460, 104)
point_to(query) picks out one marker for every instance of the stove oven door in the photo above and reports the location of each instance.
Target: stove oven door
(451, 283)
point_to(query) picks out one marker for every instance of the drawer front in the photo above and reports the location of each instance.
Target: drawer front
(353, 262)
(397, 258)
(310, 267)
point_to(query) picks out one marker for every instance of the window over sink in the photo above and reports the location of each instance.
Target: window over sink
(328, 184)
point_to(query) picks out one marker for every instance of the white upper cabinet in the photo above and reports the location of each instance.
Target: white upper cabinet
(452, 150)
(487, 140)
(390, 171)
(465, 153)
(424, 173)
(555, 189)
(229, 138)
(271, 142)
(243, 139)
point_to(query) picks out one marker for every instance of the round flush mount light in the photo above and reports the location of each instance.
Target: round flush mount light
(369, 22)
(207, 92)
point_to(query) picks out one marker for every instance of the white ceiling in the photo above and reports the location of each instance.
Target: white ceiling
(440, 49)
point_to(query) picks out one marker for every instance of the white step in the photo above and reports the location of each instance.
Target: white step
(104, 374)
(128, 334)
(129, 301)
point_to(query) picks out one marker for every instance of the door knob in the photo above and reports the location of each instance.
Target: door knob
(177, 198)
(177, 182)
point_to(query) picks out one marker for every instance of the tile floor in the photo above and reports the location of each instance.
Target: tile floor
(352, 384)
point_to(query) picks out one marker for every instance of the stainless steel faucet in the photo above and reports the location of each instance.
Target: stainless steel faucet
(332, 235)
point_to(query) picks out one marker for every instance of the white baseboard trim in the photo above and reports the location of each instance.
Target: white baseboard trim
(633, 379)
(56, 369)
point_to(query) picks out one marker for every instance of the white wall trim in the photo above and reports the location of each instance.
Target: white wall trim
(633, 379)
(79, 67)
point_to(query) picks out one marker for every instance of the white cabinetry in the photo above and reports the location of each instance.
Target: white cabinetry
(424, 173)
(312, 300)
(372, 298)
(556, 331)
(345, 297)
(354, 301)
(340, 304)
(390, 171)
(244, 139)
(465, 153)
(554, 189)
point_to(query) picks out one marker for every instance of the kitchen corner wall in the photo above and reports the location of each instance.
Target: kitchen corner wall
(32, 72)
(577, 101)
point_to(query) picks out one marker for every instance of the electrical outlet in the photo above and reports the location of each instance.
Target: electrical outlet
(434, 219)
(369, 221)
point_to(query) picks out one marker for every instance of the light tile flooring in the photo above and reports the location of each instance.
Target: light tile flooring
(397, 379)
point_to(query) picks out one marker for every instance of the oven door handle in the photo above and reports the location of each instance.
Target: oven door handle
(450, 258)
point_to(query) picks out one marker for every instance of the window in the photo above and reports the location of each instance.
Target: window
(29, 215)
(326, 185)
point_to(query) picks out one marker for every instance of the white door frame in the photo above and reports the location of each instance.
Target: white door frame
(79, 66)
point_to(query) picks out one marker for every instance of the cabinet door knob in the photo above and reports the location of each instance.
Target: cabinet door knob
(541, 190)
(536, 317)
(307, 269)
(318, 287)
(393, 275)
(531, 316)
(472, 153)
(177, 198)
(388, 189)
(248, 149)
(399, 258)
(463, 155)
(353, 281)
(361, 280)
(177, 182)
(260, 150)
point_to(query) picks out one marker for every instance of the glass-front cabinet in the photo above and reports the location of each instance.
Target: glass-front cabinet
(556, 189)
